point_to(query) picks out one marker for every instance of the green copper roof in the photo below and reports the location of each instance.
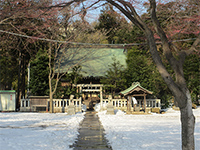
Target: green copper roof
(133, 87)
(94, 61)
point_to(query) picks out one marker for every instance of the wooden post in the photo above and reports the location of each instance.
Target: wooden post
(101, 98)
(129, 105)
(80, 89)
(145, 108)
(77, 91)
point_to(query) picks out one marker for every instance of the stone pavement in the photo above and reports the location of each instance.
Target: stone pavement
(91, 134)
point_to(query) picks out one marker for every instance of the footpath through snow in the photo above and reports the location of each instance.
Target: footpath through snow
(44, 131)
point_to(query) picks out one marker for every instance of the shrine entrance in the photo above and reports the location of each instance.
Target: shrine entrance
(91, 94)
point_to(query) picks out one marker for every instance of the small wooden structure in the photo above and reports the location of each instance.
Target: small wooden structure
(135, 90)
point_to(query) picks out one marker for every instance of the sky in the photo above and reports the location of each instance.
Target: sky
(93, 12)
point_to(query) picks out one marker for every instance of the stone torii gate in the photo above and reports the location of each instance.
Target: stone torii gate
(135, 90)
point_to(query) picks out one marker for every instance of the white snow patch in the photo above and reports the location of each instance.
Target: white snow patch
(38, 131)
(146, 132)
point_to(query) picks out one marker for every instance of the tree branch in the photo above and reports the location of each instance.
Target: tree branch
(193, 48)
(177, 65)
(129, 13)
(161, 33)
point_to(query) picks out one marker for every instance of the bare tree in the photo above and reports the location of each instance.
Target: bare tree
(22, 18)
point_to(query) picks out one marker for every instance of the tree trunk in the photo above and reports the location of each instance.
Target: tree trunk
(50, 82)
(19, 82)
(181, 93)
(188, 124)
(51, 104)
(23, 78)
(50, 96)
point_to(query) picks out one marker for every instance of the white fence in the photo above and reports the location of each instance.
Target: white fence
(25, 105)
(150, 103)
(121, 104)
(59, 105)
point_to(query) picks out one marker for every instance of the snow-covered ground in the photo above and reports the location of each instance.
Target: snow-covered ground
(44, 131)
(38, 131)
(147, 132)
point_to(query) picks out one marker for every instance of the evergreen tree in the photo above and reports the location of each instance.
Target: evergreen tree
(73, 78)
(115, 25)
(8, 69)
(114, 80)
(39, 71)
(192, 75)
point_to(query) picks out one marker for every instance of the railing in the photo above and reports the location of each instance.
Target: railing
(25, 105)
(150, 103)
(122, 103)
(117, 103)
(59, 105)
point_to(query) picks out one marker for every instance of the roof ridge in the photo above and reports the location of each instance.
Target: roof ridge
(133, 86)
